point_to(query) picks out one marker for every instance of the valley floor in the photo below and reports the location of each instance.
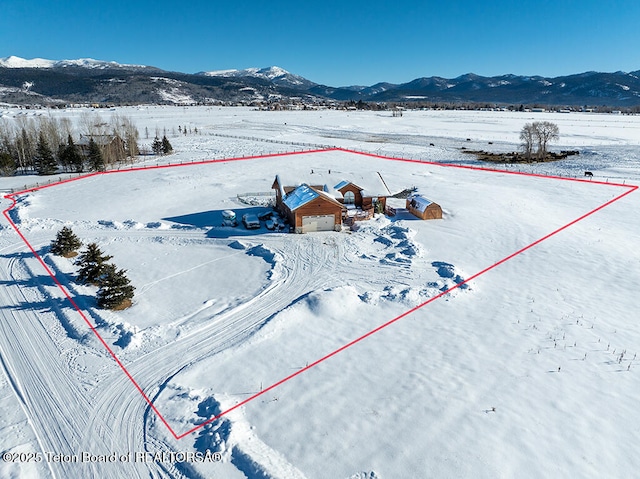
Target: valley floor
(525, 370)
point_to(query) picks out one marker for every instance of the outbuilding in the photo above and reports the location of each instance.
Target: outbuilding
(424, 208)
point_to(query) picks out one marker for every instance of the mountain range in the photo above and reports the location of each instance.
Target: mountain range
(50, 82)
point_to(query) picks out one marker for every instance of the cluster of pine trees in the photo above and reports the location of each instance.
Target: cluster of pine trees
(115, 290)
(161, 147)
(45, 145)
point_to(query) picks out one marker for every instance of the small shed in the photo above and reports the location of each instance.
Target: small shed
(424, 208)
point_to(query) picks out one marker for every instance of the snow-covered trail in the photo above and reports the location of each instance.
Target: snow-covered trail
(299, 276)
(57, 405)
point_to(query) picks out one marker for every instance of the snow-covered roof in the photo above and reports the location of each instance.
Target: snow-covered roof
(98, 139)
(370, 184)
(302, 195)
(420, 203)
(320, 180)
(342, 184)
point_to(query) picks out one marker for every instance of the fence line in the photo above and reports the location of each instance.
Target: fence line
(270, 140)
(262, 193)
(38, 184)
(304, 146)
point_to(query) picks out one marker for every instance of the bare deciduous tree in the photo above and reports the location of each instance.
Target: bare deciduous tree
(116, 139)
(25, 140)
(538, 133)
(527, 138)
(92, 124)
(130, 135)
(546, 132)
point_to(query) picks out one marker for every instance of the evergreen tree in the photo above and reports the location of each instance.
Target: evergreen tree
(45, 163)
(166, 146)
(7, 164)
(71, 157)
(115, 288)
(66, 243)
(157, 146)
(92, 264)
(96, 160)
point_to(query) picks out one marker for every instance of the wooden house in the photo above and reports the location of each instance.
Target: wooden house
(308, 208)
(311, 205)
(423, 208)
(112, 146)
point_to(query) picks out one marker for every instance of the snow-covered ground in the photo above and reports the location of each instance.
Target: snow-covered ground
(525, 371)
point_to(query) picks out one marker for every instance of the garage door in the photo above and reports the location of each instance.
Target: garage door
(318, 223)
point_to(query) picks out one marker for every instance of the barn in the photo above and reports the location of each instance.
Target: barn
(423, 208)
(308, 209)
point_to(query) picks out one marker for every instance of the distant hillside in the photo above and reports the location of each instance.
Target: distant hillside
(94, 81)
(276, 75)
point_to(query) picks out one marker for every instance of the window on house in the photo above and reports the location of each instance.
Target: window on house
(349, 198)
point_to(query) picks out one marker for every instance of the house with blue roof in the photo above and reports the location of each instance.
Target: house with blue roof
(315, 205)
(308, 208)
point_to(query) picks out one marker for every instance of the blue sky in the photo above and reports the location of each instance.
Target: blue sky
(334, 42)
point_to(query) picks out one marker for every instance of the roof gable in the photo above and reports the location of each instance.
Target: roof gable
(277, 184)
(369, 183)
(344, 184)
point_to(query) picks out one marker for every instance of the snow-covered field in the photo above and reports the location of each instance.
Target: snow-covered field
(527, 370)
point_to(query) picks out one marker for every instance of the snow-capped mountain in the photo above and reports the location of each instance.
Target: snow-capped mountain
(276, 75)
(590, 88)
(17, 62)
(88, 80)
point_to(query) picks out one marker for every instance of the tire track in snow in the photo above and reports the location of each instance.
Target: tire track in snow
(54, 404)
(155, 367)
(116, 415)
(57, 407)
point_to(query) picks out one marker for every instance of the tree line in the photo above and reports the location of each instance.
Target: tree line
(46, 145)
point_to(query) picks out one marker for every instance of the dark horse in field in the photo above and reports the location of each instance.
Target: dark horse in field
(589, 174)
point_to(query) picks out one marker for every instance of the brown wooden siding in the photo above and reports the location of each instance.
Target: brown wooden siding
(431, 212)
(356, 192)
(318, 207)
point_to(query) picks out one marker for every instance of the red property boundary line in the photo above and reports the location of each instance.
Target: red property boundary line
(12, 197)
